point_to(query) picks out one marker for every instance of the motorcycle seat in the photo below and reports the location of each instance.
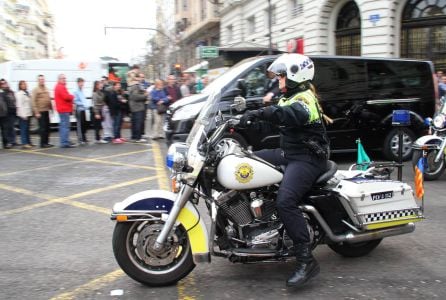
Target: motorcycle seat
(329, 172)
(332, 168)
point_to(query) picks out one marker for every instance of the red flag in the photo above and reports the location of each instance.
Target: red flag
(419, 170)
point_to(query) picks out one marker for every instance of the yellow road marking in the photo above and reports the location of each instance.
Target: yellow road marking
(94, 160)
(69, 199)
(71, 163)
(40, 168)
(124, 154)
(93, 285)
(160, 170)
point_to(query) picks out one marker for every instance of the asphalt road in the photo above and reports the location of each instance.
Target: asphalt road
(56, 237)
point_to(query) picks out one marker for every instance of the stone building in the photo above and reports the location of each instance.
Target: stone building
(379, 28)
(26, 30)
(197, 23)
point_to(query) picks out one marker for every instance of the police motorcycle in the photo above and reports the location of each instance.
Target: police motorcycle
(433, 145)
(160, 235)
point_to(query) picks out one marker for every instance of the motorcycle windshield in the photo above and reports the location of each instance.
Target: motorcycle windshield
(206, 120)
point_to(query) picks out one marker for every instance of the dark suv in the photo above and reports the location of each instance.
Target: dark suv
(358, 94)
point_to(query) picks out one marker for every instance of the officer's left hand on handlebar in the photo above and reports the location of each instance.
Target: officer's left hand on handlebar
(248, 118)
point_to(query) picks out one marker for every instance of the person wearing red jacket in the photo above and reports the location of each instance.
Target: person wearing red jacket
(64, 106)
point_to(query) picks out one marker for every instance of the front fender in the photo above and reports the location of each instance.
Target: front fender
(160, 202)
(427, 140)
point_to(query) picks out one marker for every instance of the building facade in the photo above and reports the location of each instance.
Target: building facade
(374, 28)
(197, 23)
(26, 30)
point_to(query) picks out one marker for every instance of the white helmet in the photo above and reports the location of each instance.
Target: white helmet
(297, 68)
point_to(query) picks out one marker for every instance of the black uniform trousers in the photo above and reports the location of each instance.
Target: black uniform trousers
(44, 128)
(300, 174)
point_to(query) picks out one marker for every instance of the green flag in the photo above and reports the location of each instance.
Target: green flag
(363, 158)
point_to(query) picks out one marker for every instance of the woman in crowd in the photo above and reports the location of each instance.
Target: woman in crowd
(98, 104)
(24, 112)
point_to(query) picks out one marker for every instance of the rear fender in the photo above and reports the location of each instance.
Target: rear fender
(157, 204)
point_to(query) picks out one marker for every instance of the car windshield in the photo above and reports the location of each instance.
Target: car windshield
(230, 74)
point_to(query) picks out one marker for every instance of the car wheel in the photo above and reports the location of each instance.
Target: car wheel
(391, 144)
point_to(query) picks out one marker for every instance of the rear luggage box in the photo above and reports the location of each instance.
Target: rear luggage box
(377, 203)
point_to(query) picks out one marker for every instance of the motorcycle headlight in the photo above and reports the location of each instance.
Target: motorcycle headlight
(176, 157)
(439, 121)
(188, 111)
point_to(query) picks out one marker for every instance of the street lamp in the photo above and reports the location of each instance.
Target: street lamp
(270, 19)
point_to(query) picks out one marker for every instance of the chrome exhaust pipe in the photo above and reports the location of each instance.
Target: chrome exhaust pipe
(357, 237)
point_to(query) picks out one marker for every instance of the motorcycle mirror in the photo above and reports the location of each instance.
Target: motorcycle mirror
(239, 103)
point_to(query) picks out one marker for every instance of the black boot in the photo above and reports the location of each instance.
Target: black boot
(307, 266)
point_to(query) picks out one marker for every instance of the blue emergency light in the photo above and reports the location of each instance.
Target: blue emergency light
(401, 117)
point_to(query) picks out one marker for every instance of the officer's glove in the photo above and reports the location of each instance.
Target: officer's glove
(249, 117)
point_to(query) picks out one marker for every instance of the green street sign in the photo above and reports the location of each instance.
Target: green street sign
(208, 52)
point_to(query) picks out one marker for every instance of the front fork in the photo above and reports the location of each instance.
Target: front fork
(441, 153)
(180, 202)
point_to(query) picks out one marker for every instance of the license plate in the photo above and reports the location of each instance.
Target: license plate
(382, 196)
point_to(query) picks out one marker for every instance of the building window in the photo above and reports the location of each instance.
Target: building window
(251, 25)
(423, 31)
(184, 5)
(296, 7)
(229, 34)
(348, 30)
(177, 7)
(204, 9)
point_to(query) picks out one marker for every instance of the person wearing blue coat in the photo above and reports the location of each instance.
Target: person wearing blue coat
(161, 102)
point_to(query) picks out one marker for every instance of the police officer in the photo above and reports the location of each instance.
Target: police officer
(303, 149)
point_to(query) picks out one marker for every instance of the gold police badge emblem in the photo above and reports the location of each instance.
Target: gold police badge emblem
(244, 173)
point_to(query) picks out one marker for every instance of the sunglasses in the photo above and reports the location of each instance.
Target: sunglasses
(280, 75)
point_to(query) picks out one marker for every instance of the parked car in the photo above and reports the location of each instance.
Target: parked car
(357, 93)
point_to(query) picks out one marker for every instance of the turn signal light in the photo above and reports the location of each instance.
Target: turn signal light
(121, 218)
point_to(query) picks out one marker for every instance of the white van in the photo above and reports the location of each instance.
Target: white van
(90, 71)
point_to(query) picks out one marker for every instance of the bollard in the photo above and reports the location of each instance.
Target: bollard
(400, 119)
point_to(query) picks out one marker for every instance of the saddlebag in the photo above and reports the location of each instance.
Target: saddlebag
(377, 203)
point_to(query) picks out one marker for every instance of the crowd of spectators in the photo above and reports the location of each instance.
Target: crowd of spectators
(113, 100)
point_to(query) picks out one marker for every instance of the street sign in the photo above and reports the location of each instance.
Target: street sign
(208, 52)
(374, 18)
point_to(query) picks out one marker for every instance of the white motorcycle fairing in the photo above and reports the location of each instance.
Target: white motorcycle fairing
(242, 173)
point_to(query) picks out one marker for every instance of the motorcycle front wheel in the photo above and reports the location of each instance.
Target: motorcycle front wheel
(132, 243)
(355, 249)
(432, 170)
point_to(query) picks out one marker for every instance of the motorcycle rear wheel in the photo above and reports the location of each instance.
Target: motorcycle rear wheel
(432, 170)
(132, 252)
(355, 249)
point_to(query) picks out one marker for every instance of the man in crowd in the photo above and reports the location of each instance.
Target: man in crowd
(137, 103)
(82, 106)
(41, 103)
(172, 90)
(442, 86)
(9, 135)
(64, 106)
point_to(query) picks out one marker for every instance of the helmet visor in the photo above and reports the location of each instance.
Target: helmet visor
(278, 68)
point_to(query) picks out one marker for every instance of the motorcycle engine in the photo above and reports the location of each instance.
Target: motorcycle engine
(253, 219)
